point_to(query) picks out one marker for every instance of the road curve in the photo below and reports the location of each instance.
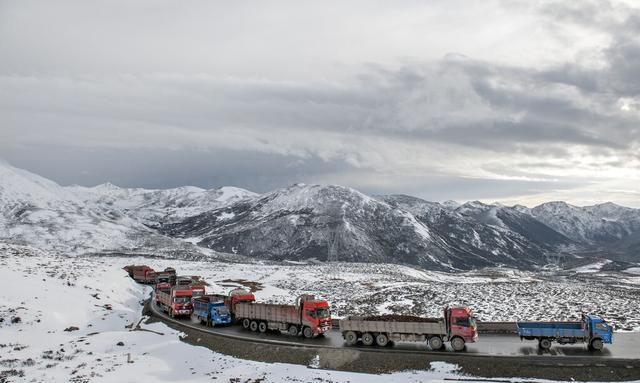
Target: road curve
(494, 355)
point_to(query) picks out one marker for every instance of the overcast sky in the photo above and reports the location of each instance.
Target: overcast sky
(517, 102)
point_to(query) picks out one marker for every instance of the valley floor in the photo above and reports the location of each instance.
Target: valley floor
(79, 319)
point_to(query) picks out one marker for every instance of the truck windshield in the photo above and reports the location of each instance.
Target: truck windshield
(197, 293)
(181, 299)
(465, 321)
(222, 311)
(322, 313)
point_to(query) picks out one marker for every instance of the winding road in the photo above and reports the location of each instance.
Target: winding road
(493, 354)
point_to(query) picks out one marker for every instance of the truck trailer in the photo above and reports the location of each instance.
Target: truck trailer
(592, 330)
(175, 300)
(210, 311)
(309, 316)
(457, 326)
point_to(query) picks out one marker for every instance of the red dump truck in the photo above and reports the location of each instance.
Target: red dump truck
(457, 326)
(308, 316)
(234, 297)
(197, 289)
(166, 276)
(175, 300)
(141, 273)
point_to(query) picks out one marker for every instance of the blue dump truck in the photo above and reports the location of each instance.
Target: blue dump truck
(592, 330)
(211, 311)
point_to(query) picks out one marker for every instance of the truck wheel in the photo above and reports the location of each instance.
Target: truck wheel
(544, 344)
(597, 344)
(436, 343)
(382, 340)
(245, 323)
(457, 344)
(367, 339)
(307, 332)
(350, 337)
(262, 327)
(253, 326)
(293, 330)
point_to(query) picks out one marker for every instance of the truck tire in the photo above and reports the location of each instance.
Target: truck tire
(436, 343)
(253, 326)
(307, 332)
(597, 345)
(457, 344)
(246, 323)
(367, 339)
(382, 340)
(262, 327)
(544, 344)
(350, 337)
(293, 330)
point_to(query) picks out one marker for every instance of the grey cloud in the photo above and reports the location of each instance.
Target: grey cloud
(261, 108)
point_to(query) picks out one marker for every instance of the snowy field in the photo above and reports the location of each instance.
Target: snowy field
(79, 320)
(68, 319)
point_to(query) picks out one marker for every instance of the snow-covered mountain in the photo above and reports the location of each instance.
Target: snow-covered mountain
(77, 220)
(603, 223)
(338, 223)
(323, 222)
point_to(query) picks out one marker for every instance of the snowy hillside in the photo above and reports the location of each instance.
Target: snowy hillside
(592, 224)
(155, 207)
(329, 223)
(106, 218)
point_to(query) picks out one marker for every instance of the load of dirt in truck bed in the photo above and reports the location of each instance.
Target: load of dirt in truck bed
(399, 318)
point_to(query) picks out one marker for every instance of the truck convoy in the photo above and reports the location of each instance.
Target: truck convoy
(308, 316)
(211, 311)
(175, 300)
(311, 317)
(457, 326)
(592, 330)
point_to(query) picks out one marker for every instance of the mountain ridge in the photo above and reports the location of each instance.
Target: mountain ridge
(324, 222)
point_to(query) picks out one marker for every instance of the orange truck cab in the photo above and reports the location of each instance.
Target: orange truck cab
(197, 290)
(461, 323)
(176, 300)
(316, 314)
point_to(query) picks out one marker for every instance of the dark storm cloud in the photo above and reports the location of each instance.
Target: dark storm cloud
(259, 172)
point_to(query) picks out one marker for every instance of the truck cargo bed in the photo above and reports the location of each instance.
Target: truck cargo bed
(360, 324)
(551, 329)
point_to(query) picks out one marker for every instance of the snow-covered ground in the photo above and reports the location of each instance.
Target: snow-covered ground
(68, 319)
(74, 312)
